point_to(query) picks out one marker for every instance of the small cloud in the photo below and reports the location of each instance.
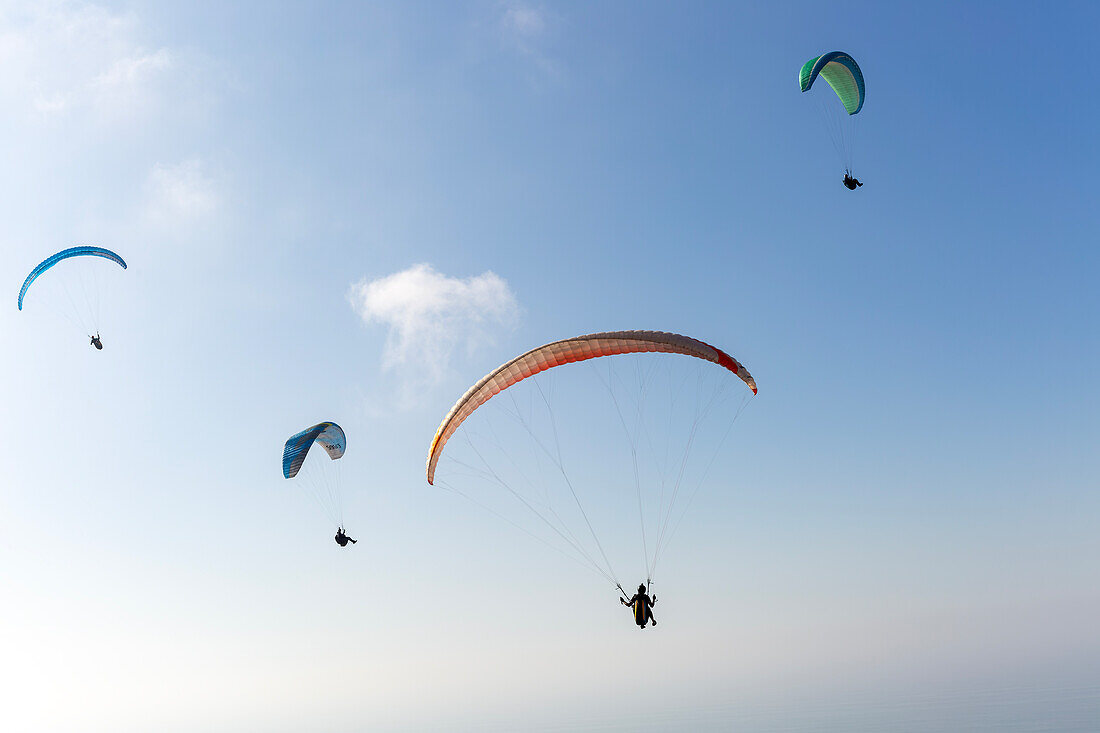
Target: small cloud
(524, 27)
(181, 193)
(429, 316)
(126, 75)
(524, 21)
(48, 105)
(59, 58)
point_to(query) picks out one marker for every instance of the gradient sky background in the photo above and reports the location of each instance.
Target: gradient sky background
(904, 535)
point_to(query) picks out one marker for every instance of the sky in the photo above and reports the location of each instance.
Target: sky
(350, 212)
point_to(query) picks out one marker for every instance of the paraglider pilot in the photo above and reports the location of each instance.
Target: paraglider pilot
(642, 605)
(342, 539)
(849, 182)
(97, 343)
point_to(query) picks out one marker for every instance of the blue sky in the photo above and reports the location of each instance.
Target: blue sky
(906, 512)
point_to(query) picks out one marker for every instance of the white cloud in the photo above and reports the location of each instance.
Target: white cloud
(127, 78)
(178, 194)
(524, 21)
(430, 316)
(524, 27)
(61, 57)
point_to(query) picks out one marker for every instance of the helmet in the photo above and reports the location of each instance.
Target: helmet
(641, 588)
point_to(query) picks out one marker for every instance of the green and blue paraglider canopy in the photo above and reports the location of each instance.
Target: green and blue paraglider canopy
(841, 72)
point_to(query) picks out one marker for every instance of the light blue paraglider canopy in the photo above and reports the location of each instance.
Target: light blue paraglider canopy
(328, 434)
(81, 251)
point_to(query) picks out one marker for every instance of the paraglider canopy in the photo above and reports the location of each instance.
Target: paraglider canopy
(328, 435)
(841, 72)
(568, 351)
(81, 251)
